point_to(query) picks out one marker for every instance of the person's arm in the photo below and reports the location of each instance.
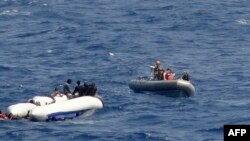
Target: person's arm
(76, 90)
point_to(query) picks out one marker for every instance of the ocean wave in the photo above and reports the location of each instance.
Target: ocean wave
(35, 2)
(109, 43)
(215, 129)
(29, 34)
(14, 12)
(4, 68)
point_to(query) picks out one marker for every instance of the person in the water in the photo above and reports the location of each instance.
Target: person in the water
(4, 116)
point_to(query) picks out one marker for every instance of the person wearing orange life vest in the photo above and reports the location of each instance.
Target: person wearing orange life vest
(4, 116)
(169, 74)
(158, 71)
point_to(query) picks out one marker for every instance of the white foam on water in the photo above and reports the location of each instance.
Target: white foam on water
(14, 12)
(243, 21)
(9, 12)
(49, 50)
(111, 54)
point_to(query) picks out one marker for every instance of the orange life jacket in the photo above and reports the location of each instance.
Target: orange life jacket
(3, 116)
(168, 76)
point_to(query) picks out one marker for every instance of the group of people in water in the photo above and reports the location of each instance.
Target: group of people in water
(168, 74)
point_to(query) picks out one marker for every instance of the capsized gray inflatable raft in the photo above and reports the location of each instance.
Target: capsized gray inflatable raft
(177, 87)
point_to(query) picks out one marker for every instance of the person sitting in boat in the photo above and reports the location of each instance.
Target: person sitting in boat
(56, 93)
(170, 71)
(85, 89)
(158, 71)
(91, 90)
(185, 76)
(169, 74)
(5, 116)
(79, 89)
(66, 88)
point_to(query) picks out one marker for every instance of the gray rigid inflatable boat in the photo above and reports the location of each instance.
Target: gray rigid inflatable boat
(177, 87)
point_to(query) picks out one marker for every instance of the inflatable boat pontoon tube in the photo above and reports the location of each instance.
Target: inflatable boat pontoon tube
(176, 87)
(65, 110)
(21, 110)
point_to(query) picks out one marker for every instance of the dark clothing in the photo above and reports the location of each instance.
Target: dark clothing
(86, 89)
(185, 77)
(77, 90)
(158, 73)
(80, 90)
(91, 90)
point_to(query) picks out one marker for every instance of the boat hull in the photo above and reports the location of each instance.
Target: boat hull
(171, 87)
(20, 110)
(65, 110)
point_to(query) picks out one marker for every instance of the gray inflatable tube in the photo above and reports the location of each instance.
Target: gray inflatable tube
(172, 87)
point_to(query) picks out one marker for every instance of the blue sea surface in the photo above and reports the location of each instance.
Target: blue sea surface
(110, 42)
